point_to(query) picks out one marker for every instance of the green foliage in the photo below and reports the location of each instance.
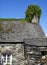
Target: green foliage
(7, 19)
(7, 64)
(1, 28)
(9, 30)
(31, 11)
(12, 19)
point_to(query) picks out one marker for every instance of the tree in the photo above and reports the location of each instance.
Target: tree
(31, 11)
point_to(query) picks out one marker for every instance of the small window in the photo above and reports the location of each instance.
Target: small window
(2, 46)
(43, 53)
(6, 59)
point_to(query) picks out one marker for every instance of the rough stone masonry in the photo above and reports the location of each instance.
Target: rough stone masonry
(26, 42)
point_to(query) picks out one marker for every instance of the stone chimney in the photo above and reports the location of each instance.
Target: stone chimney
(35, 19)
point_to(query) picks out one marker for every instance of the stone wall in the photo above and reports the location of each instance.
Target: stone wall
(17, 51)
(32, 54)
(35, 19)
(22, 54)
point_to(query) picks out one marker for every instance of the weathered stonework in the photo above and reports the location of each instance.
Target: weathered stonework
(35, 19)
(26, 42)
(17, 51)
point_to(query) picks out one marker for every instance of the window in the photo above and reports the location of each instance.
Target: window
(43, 53)
(2, 46)
(6, 59)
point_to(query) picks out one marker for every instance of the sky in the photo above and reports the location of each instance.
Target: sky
(17, 8)
(46, 34)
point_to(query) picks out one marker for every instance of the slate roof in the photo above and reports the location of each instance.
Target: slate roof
(19, 31)
(36, 41)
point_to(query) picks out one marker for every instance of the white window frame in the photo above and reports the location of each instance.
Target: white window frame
(6, 58)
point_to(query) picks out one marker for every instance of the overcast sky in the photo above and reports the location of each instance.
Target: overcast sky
(17, 8)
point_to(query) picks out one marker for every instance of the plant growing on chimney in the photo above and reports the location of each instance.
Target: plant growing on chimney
(31, 11)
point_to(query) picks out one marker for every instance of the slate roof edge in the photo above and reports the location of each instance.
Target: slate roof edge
(11, 42)
(36, 38)
(30, 41)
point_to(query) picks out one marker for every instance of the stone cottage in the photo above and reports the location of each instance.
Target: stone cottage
(22, 43)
